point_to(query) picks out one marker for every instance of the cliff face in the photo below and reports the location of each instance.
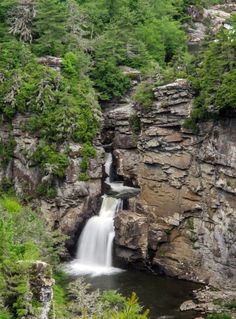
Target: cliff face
(183, 222)
(208, 21)
(75, 201)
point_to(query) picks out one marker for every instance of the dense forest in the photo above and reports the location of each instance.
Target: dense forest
(94, 40)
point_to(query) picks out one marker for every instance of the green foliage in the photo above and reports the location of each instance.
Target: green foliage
(10, 204)
(131, 33)
(131, 310)
(88, 151)
(230, 304)
(4, 314)
(60, 106)
(24, 239)
(50, 160)
(49, 28)
(144, 94)
(219, 316)
(214, 79)
(47, 191)
(163, 39)
(6, 151)
(114, 299)
(109, 80)
(84, 165)
(83, 177)
(70, 63)
(89, 304)
(6, 186)
(135, 123)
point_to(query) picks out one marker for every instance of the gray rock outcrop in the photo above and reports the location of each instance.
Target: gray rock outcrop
(75, 201)
(188, 192)
(208, 21)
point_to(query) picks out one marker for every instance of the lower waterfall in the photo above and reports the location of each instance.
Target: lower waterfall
(95, 245)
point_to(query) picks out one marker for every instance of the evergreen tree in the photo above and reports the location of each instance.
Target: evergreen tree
(50, 28)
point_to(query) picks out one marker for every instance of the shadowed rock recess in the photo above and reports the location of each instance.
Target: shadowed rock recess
(183, 222)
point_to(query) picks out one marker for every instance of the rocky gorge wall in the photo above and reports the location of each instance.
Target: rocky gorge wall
(74, 202)
(183, 223)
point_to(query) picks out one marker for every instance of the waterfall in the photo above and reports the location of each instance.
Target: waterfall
(94, 253)
(108, 165)
(95, 243)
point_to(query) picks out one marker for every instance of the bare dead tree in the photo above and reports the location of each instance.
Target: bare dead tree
(10, 98)
(21, 18)
(77, 25)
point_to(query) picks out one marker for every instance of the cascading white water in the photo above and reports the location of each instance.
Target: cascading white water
(95, 243)
(108, 165)
(94, 254)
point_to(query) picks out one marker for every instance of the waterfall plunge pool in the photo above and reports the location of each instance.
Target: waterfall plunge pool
(162, 295)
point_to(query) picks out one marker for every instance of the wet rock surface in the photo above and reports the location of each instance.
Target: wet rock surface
(209, 300)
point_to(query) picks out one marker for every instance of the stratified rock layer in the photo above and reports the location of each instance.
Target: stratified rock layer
(184, 220)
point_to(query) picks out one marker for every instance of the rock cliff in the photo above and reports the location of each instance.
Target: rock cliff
(75, 201)
(183, 222)
(208, 21)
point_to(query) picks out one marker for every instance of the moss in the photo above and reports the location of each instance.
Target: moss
(190, 224)
(83, 177)
(167, 231)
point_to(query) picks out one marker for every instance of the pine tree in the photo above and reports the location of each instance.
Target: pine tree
(49, 27)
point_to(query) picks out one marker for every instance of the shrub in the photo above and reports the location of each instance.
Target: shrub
(135, 123)
(113, 298)
(88, 150)
(84, 165)
(231, 304)
(6, 186)
(6, 151)
(144, 94)
(46, 191)
(10, 204)
(109, 80)
(24, 239)
(50, 160)
(219, 316)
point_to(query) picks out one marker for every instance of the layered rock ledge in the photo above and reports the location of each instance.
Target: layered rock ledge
(183, 222)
